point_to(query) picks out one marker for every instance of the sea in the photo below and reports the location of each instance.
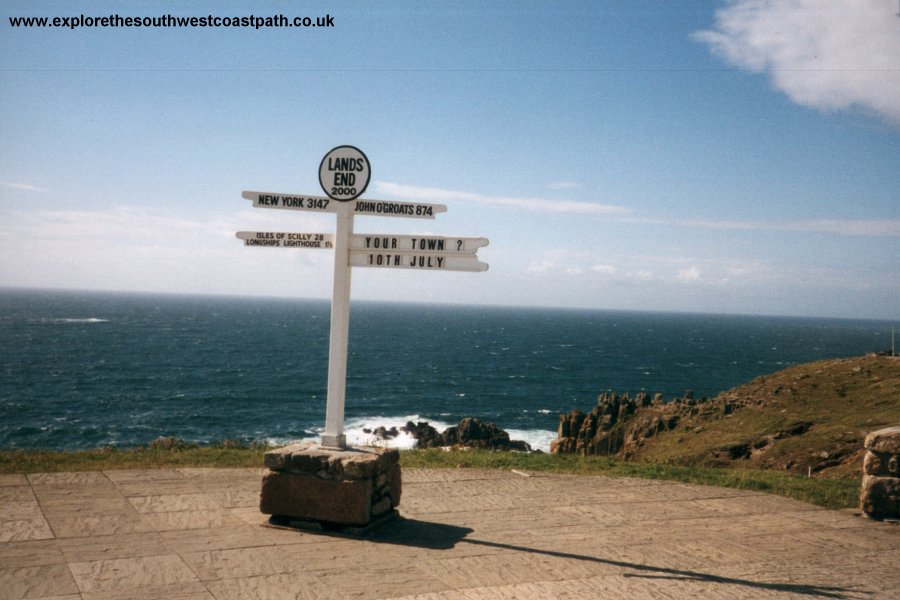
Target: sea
(89, 370)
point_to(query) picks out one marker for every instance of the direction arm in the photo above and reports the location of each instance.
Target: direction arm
(422, 261)
(416, 243)
(362, 207)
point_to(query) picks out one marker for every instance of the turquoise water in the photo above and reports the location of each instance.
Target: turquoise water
(84, 370)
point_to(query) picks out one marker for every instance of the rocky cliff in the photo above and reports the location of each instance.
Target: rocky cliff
(809, 418)
(618, 424)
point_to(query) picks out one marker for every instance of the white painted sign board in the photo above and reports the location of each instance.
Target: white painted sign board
(375, 208)
(281, 239)
(413, 260)
(291, 201)
(344, 174)
(415, 243)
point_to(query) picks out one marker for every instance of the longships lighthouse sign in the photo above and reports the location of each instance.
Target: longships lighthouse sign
(344, 175)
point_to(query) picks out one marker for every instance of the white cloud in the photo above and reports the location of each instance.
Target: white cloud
(141, 248)
(532, 204)
(689, 274)
(605, 269)
(867, 227)
(844, 227)
(564, 185)
(140, 226)
(827, 55)
(661, 269)
(22, 186)
(540, 266)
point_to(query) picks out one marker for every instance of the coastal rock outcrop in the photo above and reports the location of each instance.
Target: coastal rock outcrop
(475, 434)
(425, 435)
(619, 423)
(470, 433)
(809, 419)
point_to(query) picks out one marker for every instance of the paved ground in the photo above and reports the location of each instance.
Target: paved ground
(197, 533)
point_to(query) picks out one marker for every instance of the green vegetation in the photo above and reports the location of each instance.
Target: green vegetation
(839, 400)
(829, 493)
(166, 452)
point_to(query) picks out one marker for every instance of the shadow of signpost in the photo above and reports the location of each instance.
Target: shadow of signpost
(421, 534)
(441, 536)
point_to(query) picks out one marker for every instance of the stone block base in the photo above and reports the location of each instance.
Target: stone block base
(880, 495)
(350, 487)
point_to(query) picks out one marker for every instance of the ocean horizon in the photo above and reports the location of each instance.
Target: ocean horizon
(92, 369)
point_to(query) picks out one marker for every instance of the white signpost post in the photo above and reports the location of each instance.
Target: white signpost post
(344, 175)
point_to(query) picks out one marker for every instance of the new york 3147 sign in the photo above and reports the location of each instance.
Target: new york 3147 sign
(344, 175)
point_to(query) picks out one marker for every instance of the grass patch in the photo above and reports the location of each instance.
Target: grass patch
(154, 457)
(842, 400)
(828, 493)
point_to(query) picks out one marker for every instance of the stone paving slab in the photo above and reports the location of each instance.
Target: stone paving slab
(189, 534)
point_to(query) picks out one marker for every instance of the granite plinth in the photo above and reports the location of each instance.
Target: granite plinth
(349, 486)
(880, 494)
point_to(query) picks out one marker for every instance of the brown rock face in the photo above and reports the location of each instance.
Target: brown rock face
(476, 434)
(614, 425)
(426, 436)
(471, 432)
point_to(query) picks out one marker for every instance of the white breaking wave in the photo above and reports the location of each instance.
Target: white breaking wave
(87, 320)
(538, 439)
(355, 430)
(356, 436)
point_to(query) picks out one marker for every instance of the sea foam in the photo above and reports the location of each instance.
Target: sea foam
(359, 432)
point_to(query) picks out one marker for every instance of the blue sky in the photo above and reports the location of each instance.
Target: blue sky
(734, 157)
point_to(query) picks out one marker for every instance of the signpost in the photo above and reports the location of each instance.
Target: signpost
(377, 208)
(344, 175)
(286, 240)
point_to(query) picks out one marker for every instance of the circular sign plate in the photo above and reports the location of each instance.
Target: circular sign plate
(344, 173)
